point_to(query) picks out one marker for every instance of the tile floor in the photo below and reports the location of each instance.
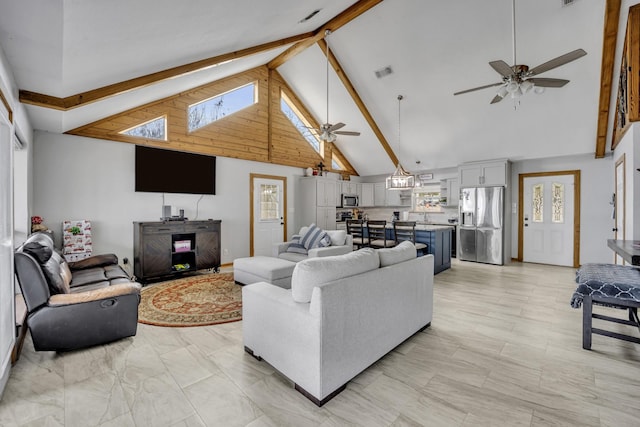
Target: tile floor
(504, 349)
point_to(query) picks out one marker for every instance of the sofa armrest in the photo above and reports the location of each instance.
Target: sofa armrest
(330, 251)
(94, 261)
(95, 294)
(279, 248)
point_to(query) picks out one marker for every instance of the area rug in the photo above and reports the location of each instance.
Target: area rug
(192, 301)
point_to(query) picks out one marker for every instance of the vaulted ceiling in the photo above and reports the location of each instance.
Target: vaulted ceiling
(435, 48)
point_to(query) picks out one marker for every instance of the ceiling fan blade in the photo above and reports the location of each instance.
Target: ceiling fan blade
(542, 82)
(346, 132)
(496, 99)
(502, 68)
(556, 62)
(478, 88)
(336, 127)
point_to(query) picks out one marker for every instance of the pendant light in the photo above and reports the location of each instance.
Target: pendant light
(400, 179)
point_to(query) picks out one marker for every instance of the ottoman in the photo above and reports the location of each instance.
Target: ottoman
(276, 271)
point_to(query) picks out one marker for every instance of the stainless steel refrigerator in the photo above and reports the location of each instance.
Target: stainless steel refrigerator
(481, 225)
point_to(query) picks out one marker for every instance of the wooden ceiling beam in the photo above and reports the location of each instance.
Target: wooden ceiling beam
(358, 101)
(80, 99)
(346, 16)
(610, 38)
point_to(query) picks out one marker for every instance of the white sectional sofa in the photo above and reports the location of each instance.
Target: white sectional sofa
(341, 315)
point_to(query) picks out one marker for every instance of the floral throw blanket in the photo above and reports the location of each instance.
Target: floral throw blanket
(607, 280)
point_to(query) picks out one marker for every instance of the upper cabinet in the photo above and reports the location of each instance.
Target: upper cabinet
(349, 187)
(366, 195)
(484, 174)
(326, 191)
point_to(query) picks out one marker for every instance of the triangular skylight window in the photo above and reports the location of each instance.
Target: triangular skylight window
(298, 120)
(153, 129)
(212, 109)
(335, 165)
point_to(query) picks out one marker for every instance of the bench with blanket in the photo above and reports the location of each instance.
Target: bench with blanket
(610, 285)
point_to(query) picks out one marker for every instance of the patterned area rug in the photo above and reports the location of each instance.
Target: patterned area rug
(192, 301)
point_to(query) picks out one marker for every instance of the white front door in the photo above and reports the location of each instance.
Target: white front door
(548, 207)
(268, 206)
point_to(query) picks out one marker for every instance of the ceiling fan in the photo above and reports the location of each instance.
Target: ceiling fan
(328, 132)
(520, 79)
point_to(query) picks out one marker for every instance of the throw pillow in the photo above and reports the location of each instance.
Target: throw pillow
(295, 246)
(315, 237)
(403, 252)
(338, 237)
(40, 252)
(65, 273)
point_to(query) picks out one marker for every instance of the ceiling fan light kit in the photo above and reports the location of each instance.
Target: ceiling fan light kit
(518, 80)
(400, 179)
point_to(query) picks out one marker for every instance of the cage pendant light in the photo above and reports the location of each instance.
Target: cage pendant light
(400, 179)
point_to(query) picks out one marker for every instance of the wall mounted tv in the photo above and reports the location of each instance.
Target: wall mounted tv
(166, 171)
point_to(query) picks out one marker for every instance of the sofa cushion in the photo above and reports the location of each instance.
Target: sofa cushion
(293, 257)
(403, 252)
(312, 272)
(315, 237)
(295, 246)
(338, 237)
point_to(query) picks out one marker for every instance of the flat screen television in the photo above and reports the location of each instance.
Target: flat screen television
(166, 171)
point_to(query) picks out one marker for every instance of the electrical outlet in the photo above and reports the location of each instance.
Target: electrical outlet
(225, 251)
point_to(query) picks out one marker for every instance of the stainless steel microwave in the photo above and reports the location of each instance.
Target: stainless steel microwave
(349, 201)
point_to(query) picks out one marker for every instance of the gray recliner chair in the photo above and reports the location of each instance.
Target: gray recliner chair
(99, 306)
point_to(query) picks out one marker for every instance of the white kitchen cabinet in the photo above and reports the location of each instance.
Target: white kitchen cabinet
(325, 191)
(367, 194)
(484, 174)
(349, 187)
(379, 194)
(316, 202)
(325, 217)
(449, 192)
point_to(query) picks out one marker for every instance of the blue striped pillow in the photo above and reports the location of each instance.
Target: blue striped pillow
(295, 246)
(315, 237)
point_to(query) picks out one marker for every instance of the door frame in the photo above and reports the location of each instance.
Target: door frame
(252, 178)
(621, 162)
(576, 210)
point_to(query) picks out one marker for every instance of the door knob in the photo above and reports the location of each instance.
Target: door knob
(614, 229)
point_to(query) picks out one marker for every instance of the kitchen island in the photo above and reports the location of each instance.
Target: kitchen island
(438, 241)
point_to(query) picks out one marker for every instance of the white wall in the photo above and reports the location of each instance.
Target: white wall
(596, 188)
(84, 178)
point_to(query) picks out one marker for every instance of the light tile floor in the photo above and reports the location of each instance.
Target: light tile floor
(504, 349)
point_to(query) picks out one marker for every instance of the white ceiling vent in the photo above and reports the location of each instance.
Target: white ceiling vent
(567, 2)
(383, 72)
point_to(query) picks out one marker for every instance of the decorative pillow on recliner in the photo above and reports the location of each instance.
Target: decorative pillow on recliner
(315, 237)
(295, 246)
(40, 252)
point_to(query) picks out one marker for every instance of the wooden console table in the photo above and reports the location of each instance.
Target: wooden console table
(167, 248)
(629, 250)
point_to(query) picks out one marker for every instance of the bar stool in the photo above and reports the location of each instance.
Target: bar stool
(406, 231)
(355, 227)
(378, 235)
